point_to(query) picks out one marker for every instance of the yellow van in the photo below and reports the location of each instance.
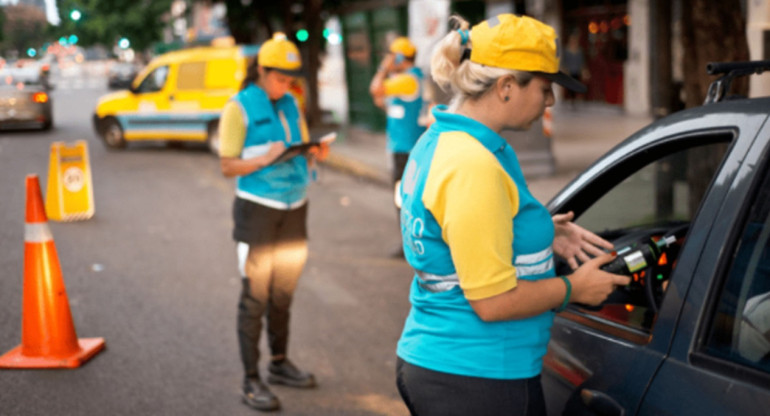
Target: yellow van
(178, 96)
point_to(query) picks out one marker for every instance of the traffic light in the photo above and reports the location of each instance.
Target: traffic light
(75, 15)
(73, 39)
(124, 43)
(302, 35)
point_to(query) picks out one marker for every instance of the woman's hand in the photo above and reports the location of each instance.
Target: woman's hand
(319, 153)
(591, 285)
(574, 243)
(276, 149)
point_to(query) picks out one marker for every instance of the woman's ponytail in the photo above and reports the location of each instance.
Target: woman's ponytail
(448, 54)
(252, 73)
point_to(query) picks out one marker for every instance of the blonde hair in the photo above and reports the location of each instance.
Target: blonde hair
(466, 79)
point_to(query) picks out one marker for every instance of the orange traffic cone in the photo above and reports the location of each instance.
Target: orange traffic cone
(48, 338)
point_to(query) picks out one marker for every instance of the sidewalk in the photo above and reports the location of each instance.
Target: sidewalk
(579, 137)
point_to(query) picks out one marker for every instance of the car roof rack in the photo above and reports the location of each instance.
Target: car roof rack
(731, 70)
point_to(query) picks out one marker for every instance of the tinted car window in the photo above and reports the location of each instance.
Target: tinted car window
(154, 80)
(740, 329)
(191, 76)
(658, 199)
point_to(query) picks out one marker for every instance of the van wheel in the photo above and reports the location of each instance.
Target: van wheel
(112, 134)
(212, 139)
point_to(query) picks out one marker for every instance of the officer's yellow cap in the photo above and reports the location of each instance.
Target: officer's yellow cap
(403, 46)
(520, 43)
(280, 54)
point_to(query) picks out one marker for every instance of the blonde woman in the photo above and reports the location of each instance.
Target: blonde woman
(485, 291)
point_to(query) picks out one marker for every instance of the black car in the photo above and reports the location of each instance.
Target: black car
(691, 334)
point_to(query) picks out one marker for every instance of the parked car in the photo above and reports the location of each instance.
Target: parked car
(178, 96)
(121, 74)
(24, 99)
(691, 334)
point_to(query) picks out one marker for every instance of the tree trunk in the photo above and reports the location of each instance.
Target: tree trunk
(315, 28)
(712, 31)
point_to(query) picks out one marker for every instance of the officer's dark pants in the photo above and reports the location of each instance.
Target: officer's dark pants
(275, 260)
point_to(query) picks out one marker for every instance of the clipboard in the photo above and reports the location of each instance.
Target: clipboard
(301, 149)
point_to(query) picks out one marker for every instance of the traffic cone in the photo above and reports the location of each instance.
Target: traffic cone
(48, 338)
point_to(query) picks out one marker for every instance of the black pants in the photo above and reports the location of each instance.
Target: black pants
(276, 257)
(432, 393)
(399, 164)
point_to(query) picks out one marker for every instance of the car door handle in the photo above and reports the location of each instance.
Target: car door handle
(600, 403)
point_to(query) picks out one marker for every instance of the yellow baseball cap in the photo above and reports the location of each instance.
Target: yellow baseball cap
(280, 54)
(403, 46)
(520, 43)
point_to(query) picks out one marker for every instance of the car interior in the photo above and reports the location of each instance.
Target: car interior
(652, 200)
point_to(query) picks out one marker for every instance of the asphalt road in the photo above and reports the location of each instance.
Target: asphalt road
(154, 273)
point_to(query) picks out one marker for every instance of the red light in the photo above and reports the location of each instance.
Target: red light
(636, 277)
(629, 307)
(40, 97)
(663, 260)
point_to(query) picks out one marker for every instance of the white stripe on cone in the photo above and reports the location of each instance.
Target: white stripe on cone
(37, 233)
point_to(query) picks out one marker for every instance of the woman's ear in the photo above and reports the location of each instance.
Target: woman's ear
(505, 87)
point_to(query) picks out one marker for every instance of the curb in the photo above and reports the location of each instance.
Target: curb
(358, 169)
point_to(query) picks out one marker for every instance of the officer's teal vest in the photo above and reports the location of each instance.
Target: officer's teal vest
(282, 185)
(403, 111)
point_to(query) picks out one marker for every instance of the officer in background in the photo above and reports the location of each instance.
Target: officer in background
(397, 87)
(270, 212)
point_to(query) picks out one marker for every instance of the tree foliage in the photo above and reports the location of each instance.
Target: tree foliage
(104, 22)
(22, 27)
(255, 21)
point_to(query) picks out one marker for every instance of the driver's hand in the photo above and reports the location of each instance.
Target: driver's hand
(591, 285)
(574, 243)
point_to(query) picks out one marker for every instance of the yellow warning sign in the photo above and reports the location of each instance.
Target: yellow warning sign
(70, 196)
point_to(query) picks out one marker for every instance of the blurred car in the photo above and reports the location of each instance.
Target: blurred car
(121, 74)
(24, 99)
(691, 334)
(178, 96)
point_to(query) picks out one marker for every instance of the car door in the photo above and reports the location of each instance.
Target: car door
(719, 363)
(202, 89)
(600, 361)
(150, 118)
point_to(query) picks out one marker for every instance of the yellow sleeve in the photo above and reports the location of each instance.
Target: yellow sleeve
(402, 84)
(474, 201)
(232, 130)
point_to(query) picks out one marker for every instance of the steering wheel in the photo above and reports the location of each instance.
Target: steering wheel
(648, 283)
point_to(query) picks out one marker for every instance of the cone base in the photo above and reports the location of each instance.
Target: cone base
(88, 348)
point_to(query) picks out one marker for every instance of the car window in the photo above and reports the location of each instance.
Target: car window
(650, 209)
(740, 328)
(191, 76)
(155, 80)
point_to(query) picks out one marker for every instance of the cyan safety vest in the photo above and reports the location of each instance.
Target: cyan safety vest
(282, 185)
